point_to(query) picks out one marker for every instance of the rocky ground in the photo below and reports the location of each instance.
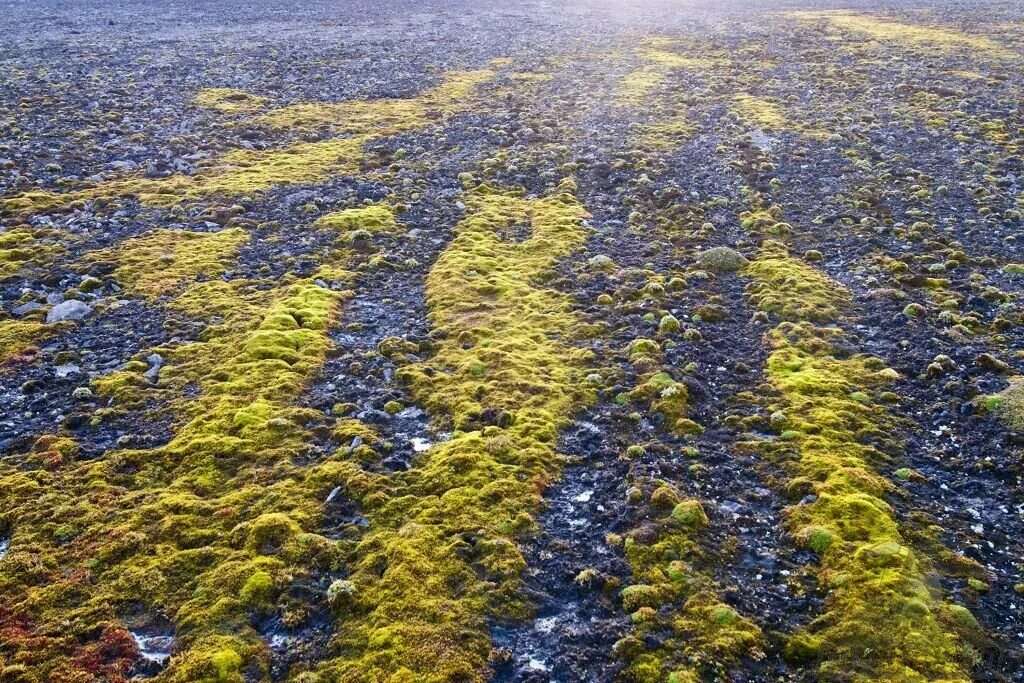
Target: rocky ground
(511, 341)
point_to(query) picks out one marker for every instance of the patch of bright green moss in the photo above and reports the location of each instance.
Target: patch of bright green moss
(18, 336)
(246, 171)
(373, 219)
(203, 529)
(383, 116)
(159, 262)
(1008, 404)
(880, 612)
(792, 289)
(674, 604)
(759, 112)
(440, 555)
(229, 100)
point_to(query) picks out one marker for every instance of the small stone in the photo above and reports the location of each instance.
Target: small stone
(67, 370)
(26, 308)
(68, 310)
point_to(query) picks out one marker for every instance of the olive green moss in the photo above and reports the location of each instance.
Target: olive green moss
(680, 629)
(18, 337)
(229, 100)
(387, 116)
(792, 289)
(247, 171)
(881, 614)
(440, 556)
(209, 529)
(372, 219)
(180, 256)
(23, 246)
(1008, 405)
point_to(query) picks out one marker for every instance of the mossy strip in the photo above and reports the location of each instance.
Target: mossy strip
(208, 529)
(439, 556)
(882, 620)
(229, 100)
(792, 289)
(181, 257)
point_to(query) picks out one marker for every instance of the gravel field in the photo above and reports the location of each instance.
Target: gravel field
(532, 342)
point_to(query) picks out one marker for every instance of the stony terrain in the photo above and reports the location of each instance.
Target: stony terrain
(511, 341)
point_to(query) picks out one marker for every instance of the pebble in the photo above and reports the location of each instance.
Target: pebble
(67, 370)
(68, 310)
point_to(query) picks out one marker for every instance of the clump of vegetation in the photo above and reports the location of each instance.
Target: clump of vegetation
(246, 171)
(380, 116)
(204, 528)
(373, 218)
(157, 263)
(440, 555)
(229, 100)
(880, 612)
(681, 629)
(721, 260)
(1008, 404)
(759, 111)
(18, 337)
(792, 289)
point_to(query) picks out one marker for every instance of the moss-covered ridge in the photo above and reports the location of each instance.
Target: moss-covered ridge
(882, 620)
(791, 288)
(439, 557)
(245, 171)
(208, 530)
(681, 628)
(392, 114)
(882, 616)
(180, 256)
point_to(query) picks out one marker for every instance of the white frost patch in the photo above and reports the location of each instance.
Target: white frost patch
(545, 625)
(279, 641)
(537, 665)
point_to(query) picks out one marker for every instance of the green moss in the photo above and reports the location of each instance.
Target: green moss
(201, 529)
(1008, 405)
(440, 555)
(245, 171)
(721, 260)
(880, 611)
(158, 263)
(374, 218)
(680, 629)
(643, 346)
(791, 289)
(229, 100)
(25, 246)
(665, 397)
(690, 514)
(18, 337)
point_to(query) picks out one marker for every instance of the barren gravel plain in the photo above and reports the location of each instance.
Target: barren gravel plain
(529, 342)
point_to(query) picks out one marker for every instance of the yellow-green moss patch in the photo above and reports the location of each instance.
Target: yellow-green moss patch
(440, 556)
(792, 289)
(159, 262)
(373, 219)
(229, 100)
(384, 116)
(881, 613)
(18, 336)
